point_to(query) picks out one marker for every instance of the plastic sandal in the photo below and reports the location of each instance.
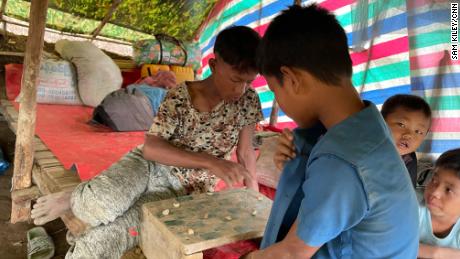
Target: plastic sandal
(39, 244)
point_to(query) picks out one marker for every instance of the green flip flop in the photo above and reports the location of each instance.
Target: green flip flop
(39, 244)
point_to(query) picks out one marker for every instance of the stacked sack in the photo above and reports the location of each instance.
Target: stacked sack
(57, 82)
(98, 75)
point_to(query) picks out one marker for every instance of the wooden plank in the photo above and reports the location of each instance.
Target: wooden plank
(58, 172)
(67, 182)
(166, 236)
(160, 246)
(41, 154)
(125, 64)
(12, 113)
(44, 162)
(25, 194)
(10, 53)
(39, 146)
(23, 158)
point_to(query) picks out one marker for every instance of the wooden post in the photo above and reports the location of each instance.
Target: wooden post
(2, 12)
(23, 157)
(2, 9)
(274, 113)
(107, 17)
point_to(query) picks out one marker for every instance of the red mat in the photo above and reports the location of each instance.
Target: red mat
(64, 130)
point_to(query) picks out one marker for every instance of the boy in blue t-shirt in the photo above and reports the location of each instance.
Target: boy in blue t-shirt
(346, 194)
(440, 210)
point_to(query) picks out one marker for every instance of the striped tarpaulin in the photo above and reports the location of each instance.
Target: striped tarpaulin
(434, 75)
(402, 50)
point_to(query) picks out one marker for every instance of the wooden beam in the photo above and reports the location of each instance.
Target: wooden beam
(69, 33)
(274, 113)
(23, 195)
(24, 150)
(2, 12)
(106, 19)
(10, 53)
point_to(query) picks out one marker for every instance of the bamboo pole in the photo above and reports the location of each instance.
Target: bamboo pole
(24, 151)
(70, 34)
(2, 12)
(274, 113)
(107, 17)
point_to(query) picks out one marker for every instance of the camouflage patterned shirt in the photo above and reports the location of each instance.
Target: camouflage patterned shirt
(215, 132)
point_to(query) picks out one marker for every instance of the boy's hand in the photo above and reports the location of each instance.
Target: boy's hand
(285, 149)
(230, 172)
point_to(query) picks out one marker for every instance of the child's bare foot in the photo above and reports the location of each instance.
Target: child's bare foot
(50, 207)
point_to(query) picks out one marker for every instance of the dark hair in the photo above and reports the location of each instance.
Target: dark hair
(237, 46)
(450, 160)
(308, 38)
(408, 101)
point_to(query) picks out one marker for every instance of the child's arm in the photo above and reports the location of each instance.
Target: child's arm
(429, 251)
(246, 155)
(159, 150)
(290, 247)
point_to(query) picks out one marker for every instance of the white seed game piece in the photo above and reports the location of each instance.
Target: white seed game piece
(228, 218)
(176, 204)
(254, 212)
(190, 231)
(259, 198)
(165, 212)
(210, 193)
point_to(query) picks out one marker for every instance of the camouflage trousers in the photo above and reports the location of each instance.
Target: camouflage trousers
(111, 204)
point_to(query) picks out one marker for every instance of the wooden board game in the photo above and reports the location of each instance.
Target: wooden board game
(183, 227)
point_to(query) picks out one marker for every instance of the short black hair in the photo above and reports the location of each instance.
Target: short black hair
(407, 101)
(237, 46)
(308, 38)
(450, 160)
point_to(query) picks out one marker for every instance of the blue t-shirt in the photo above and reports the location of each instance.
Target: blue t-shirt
(426, 230)
(349, 191)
